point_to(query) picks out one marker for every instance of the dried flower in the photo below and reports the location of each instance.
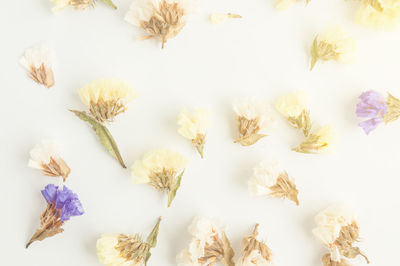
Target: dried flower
(338, 229)
(160, 19)
(255, 252)
(45, 158)
(216, 18)
(377, 109)
(285, 4)
(38, 61)
(194, 127)
(253, 117)
(322, 140)
(379, 13)
(293, 107)
(162, 169)
(78, 4)
(333, 44)
(270, 179)
(209, 245)
(126, 249)
(105, 98)
(62, 204)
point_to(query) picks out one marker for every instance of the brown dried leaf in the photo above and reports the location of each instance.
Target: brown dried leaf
(250, 139)
(227, 259)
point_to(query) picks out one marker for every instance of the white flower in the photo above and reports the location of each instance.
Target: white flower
(60, 4)
(45, 158)
(161, 19)
(38, 61)
(108, 254)
(379, 13)
(264, 176)
(193, 125)
(254, 258)
(292, 104)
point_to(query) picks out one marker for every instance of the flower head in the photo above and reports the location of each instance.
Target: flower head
(270, 179)
(216, 18)
(254, 252)
(379, 13)
(160, 19)
(62, 204)
(45, 158)
(373, 106)
(294, 107)
(162, 169)
(253, 117)
(208, 246)
(338, 229)
(194, 127)
(107, 98)
(38, 61)
(126, 250)
(333, 44)
(78, 4)
(285, 4)
(322, 140)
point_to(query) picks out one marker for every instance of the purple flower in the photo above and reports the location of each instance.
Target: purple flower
(372, 106)
(65, 200)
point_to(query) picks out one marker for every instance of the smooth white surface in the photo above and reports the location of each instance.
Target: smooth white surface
(265, 55)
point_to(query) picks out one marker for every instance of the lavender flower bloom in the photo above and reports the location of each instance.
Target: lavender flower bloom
(372, 106)
(64, 200)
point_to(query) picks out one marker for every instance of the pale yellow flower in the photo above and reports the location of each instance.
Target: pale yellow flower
(217, 18)
(285, 4)
(379, 13)
(322, 140)
(292, 104)
(333, 44)
(107, 98)
(108, 254)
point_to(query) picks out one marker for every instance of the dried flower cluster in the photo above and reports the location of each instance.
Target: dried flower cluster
(209, 245)
(333, 44)
(78, 4)
(45, 158)
(255, 252)
(285, 4)
(38, 62)
(254, 117)
(126, 250)
(62, 204)
(377, 109)
(269, 179)
(105, 98)
(217, 18)
(293, 107)
(162, 169)
(338, 230)
(160, 19)
(194, 127)
(379, 13)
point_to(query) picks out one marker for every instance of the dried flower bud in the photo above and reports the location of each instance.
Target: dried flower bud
(45, 158)
(322, 140)
(209, 245)
(254, 252)
(333, 44)
(216, 18)
(269, 179)
(38, 62)
(161, 19)
(125, 249)
(253, 118)
(338, 229)
(162, 169)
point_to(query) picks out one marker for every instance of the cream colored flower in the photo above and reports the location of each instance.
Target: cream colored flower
(253, 118)
(333, 44)
(45, 158)
(162, 169)
(217, 18)
(269, 179)
(338, 229)
(160, 19)
(107, 98)
(379, 13)
(126, 250)
(285, 4)
(78, 4)
(38, 61)
(194, 127)
(322, 140)
(254, 252)
(208, 246)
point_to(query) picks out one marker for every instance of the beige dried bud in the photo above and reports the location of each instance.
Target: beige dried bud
(393, 109)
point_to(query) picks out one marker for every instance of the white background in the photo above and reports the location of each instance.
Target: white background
(265, 55)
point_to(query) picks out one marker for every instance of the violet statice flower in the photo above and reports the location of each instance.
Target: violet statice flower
(62, 204)
(372, 105)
